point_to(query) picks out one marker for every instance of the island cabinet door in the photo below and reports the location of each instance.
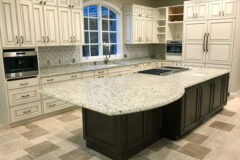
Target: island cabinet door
(205, 100)
(218, 93)
(190, 109)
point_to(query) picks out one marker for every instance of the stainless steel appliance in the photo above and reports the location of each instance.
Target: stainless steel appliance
(20, 63)
(174, 48)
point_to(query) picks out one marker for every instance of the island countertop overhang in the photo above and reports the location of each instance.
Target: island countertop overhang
(128, 94)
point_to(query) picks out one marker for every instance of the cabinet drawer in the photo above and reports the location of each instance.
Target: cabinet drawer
(118, 74)
(51, 105)
(52, 79)
(100, 72)
(87, 74)
(177, 64)
(26, 111)
(21, 96)
(118, 69)
(101, 76)
(22, 83)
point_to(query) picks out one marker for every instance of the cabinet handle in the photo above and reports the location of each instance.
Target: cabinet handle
(71, 39)
(22, 38)
(223, 13)
(44, 40)
(28, 111)
(50, 80)
(75, 76)
(69, 6)
(24, 84)
(100, 76)
(101, 72)
(17, 39)
(26, 96)
(47, 39)
(40, 2)
(204, 43)
(44, 2)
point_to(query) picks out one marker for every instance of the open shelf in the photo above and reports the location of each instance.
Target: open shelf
(175, 13)
(176, 22)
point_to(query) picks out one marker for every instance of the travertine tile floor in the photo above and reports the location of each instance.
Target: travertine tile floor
(60, 138)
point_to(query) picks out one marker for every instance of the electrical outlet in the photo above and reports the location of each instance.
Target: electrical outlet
(73, 60)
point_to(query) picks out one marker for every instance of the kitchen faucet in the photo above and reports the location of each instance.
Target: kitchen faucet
(108, 55)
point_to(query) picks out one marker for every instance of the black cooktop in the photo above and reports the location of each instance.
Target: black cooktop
(164, 71)
(156, 71)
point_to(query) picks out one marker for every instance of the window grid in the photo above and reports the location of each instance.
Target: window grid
(100, 31)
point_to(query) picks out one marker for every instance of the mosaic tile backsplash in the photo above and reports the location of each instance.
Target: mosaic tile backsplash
(49, 56)
(58, 55)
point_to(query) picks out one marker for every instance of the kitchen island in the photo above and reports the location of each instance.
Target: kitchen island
(123, 115)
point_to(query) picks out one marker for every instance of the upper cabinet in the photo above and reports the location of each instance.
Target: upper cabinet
(46, 25)
(196, 11)
(139, 21)
(217, 9)
(17, 26)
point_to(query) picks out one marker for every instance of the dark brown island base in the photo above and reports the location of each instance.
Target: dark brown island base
(121, 137)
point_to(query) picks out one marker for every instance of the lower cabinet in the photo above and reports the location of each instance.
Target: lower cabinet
(51, 105)
(26, 111)
(199, 103)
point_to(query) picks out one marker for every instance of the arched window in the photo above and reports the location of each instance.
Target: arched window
(102, 32)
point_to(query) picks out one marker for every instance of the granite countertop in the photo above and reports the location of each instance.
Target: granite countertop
(130, 93)
(74, 68)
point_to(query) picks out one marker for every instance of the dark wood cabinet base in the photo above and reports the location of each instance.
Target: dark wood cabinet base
(121, 137)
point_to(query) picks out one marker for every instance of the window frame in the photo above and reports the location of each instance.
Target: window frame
(100, 43)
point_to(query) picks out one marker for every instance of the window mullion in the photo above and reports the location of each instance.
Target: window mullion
(100, 32)
(89, 32)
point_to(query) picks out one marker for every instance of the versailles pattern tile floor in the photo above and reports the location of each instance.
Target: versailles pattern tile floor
(60, 138)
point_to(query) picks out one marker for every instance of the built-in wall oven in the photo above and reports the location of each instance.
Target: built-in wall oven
(20, 63)
(174, 50)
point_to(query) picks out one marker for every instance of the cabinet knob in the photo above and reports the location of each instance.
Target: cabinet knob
(40, 2)
(72, 6)
(22, 39)
(28, 111)
(69, 6)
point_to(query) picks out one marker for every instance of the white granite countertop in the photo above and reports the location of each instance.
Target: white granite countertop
(130, 93)
(74, 68)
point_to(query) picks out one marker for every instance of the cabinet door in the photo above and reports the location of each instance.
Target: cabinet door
(202, 10)
(205, 100)
(225, 89)
(65, 22)
(229, 8)
(9, 26)
(51, 25)
(39, 24)
(76, 3)
(219, 53)
(149, 13)
(26, 23)
(77, 26)
(136, 30)
(217, 94)
(190, 109)
(64, 3)
(190, 10)
(221, 30)
(136, 10)
(215, 9)
(194, 33)
(149, 30)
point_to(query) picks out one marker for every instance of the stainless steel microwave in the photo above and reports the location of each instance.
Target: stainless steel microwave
(174, 48)
(20, 63)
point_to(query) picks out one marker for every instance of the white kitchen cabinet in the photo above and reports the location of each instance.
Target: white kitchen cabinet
(46, 25)
(25, 22)
(77, 27)
(229, 8)
(196, 11)
(9, 26)
(39, 25)
(51, 25)
(52, 105)
(138, 24)
(222, 9)
(17, 27)
(65, 26)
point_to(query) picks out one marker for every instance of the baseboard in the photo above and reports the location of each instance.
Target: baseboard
(234, 94)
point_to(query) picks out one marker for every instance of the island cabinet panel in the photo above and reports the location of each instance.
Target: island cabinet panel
(198, 104)
(190, 110)
(206, 90)
(121, 137)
